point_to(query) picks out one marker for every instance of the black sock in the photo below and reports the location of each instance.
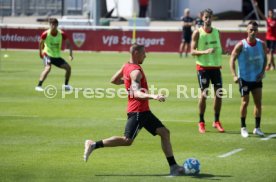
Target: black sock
(201, 118)
(40, 83)
(217, 116)
(99, 144)
(257, 122)
(66, 81)
(171, 160)
(243, 122)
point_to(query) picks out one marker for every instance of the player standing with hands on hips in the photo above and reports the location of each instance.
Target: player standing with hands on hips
(49, 50)
(139, 115)
(251, 55)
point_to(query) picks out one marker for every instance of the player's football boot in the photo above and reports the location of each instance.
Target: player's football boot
(244, 132)
(201, 127)
(257, 131)
(67, 87)
(39, 89)
(218, 126)
(89, 146)
(176, 170)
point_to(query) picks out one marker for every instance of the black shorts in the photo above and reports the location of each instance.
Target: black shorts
(246, 87)
(137, 120)
(186, 37)
(55, 61)
(204, 77)
(271, 45)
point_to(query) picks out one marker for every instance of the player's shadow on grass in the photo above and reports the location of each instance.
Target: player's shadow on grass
(210, 176)
(235, 132)
(199, 176)
(226, 132)
(251, 134)
(133, 175)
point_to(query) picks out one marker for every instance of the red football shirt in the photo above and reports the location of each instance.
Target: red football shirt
(271, 29)
(144, 2)
(44, 35)
(135, 105)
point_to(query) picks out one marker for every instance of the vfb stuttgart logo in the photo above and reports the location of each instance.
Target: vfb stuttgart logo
(79, 39)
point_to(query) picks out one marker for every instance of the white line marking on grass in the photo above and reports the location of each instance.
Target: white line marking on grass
(230, 153)
(173, 120)
(269, 137)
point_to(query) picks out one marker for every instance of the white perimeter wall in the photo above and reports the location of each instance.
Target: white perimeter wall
(217, 6)
(126, 8)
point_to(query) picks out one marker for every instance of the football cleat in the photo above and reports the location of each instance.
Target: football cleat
(67, 87)
(176, 170)
(218, 126)
(244, 132)
(89, 146)
(39, 89)
(201, 127)
(257, 131)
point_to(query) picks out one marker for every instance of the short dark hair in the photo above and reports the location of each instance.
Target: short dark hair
(208, 10)
(53, 21)
(136, 47)
(253, 22)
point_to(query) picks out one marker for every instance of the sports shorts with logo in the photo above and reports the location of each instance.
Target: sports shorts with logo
(247, 87)
(205, 76)
(138, 120)
(55, 61)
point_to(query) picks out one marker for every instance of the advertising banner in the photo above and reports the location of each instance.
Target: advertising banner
(111, 40)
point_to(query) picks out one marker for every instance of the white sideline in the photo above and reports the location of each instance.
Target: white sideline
(269, 137)
(230, 153)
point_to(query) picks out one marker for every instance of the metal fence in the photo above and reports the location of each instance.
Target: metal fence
(41, 7)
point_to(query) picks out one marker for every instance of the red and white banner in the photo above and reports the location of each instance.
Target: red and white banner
(111, 40)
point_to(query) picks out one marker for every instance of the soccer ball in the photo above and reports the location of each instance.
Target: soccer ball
(191, 166)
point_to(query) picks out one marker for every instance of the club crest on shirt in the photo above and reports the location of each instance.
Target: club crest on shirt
(79, 39)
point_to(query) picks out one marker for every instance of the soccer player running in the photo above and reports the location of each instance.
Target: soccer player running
(206, 47)
(139, 115)
(251, 55)
(49, 50)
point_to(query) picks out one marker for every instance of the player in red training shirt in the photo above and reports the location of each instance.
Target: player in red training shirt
(270, 36)
(139, 115)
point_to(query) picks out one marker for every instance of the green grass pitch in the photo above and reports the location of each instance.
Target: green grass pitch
(41, 139)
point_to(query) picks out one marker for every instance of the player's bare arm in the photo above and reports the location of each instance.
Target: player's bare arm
(261, 75)
(41, 47)
(234, 55)
(194, 43)
(117, 78)
(136, 77)
(69, 46)
(265, 57)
